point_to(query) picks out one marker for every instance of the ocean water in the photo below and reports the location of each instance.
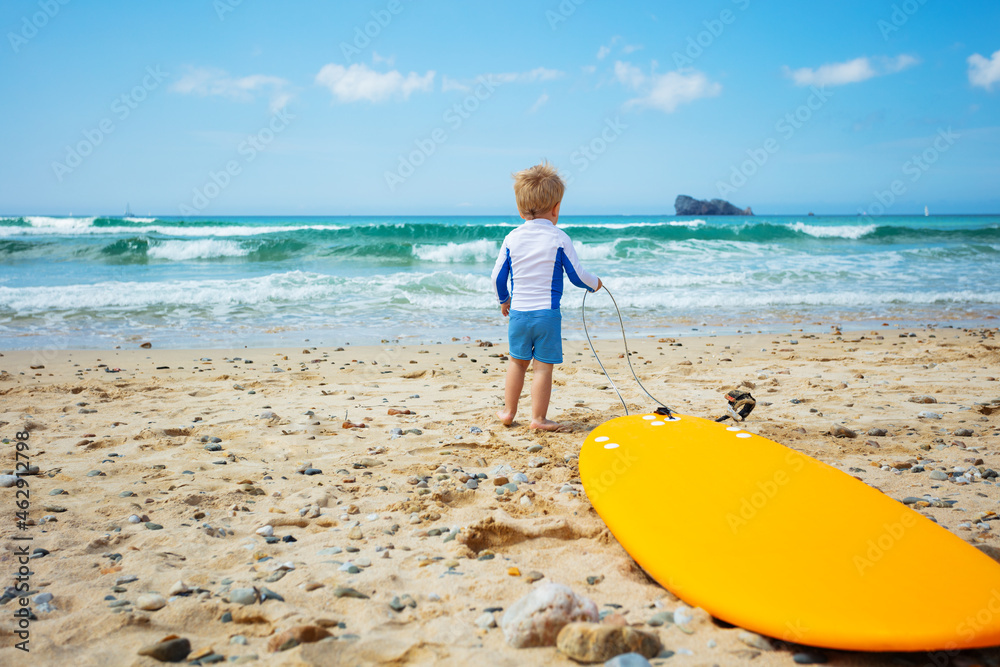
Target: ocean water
(97, 282)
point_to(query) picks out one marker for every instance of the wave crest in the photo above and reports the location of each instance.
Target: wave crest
(853, 232)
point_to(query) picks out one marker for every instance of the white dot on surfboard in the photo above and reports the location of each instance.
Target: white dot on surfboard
(611, 445)
(733, 428)
(649, 416)
(742, 435)
(601, 438)
(656, 423)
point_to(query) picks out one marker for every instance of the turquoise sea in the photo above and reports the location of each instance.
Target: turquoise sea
(97, 282)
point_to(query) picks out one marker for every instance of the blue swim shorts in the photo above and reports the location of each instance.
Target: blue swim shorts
(536, 334)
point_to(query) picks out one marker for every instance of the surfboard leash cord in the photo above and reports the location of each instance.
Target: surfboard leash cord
(628, 355)
(739, 403)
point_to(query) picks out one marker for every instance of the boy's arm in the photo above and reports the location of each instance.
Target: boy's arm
(578, 275)
(501, 277)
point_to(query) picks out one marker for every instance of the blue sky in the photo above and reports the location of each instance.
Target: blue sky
(241, 108)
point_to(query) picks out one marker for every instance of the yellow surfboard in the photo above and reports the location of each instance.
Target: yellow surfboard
(774, 541)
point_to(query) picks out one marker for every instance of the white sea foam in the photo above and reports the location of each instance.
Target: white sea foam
(749, 302)
(59, 227)
(294, 286)
(199, 249)
(472, 251)
(626, 225)
(263, 293)
(450, 293)
(595, 251)
(140, 219)
(853, 232)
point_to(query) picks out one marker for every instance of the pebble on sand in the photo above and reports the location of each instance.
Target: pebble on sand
(537, 618)
(346, 592)
(627, 660)
(151, 602)
(598, 642)
(179, 588)
(486, 621)
(300, 634)
(170, 649)
(243, 595)
(755, 640)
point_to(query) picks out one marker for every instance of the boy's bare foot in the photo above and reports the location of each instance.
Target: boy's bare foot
(549, 425)
(505, 418)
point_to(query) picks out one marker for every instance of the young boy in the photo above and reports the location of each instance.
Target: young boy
(533, 258)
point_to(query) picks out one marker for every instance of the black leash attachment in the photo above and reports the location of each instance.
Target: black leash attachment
(739, 405)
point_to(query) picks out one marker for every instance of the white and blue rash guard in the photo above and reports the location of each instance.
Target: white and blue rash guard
(532, 259)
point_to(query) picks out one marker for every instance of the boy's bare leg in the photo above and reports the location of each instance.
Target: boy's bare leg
(512, 390)
(541, 391)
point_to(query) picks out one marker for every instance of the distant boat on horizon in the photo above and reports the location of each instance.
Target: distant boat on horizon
(926, 212)
(128, 211)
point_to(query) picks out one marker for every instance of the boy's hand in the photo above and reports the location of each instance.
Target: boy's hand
(505, 308)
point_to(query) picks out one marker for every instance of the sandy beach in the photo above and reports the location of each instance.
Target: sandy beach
(383, 544)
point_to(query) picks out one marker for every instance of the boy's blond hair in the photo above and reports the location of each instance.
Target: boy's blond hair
(538, 189)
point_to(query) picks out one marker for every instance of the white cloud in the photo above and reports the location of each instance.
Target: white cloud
(603, 52)
(539, 103)
(899, 63)
(984, 72)
(835, 74)
(631, 48)
(628, 74)
(448, 84)
(376, 58)
(278, 102)
(205, 81)
(667, 91)
(358, 82)
(852, 71)
(532, 76)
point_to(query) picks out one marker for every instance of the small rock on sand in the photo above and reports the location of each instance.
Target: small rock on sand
(597, 642)
(151, 602)
(173, 649)
(179, 588)
(839, 431)
(755, 640)
(486, 621)
(300, 634)
(537, 618)
(627, 660)
(243, 595)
